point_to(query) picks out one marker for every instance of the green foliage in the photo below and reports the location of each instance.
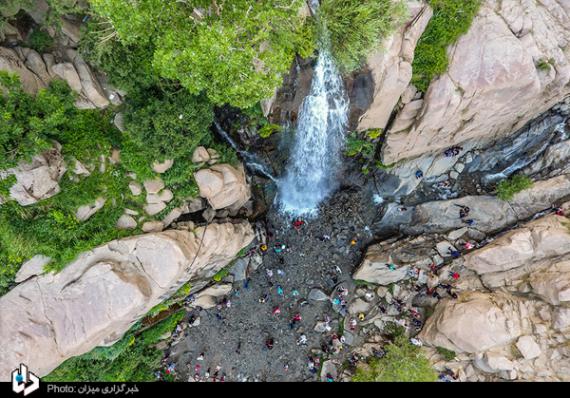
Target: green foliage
(545, 64)
(171, 124)
(9, 8)
(357, 27)
(451, 19)
(267, 130)
(221, 274)
(448, 355)
(506, 189)
(236, 51)
(40, 41)
(357, 146)
(133, 358)
(394, 330)
(403, 362)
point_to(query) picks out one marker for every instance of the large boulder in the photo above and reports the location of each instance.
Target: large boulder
(391, 67)
(552, 284)
(477, 322)
(223, 186)
(512, 65)
(95, 299)
(38, 179)
(11, 62)
(547, 237)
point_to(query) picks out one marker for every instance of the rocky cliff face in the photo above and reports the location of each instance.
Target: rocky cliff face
(512, 65)
(514, 322)
(94, 300)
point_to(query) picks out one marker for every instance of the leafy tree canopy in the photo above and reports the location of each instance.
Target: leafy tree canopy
(235, 51)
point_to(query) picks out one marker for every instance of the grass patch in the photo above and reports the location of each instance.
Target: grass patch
(507, 189)
(357, 27)
(448, 355)
(451, 19)
(403, 362)
(133, 358)
(40, 41)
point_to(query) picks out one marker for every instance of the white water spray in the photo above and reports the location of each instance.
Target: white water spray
(311, 173)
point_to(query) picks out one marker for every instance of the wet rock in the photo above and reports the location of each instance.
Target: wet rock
(318, 295)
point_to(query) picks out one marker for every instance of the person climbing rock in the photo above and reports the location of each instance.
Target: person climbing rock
(391, 267)
(269, 343)
(453, 253)
(463, 210)
(276, 310)
(454, 275)
(559, 212)
(468, 245)
(419, 174)
(469, 222)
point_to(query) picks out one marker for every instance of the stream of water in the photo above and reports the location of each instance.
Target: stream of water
(311, 173)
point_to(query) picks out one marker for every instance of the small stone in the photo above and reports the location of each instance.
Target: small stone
(153, 186)
(200, 155)
(528, 347)
(163, 167)
(318, 295)
(131, 212)
(459, 167)
(209, 214)
(119, 122)
(172, 216)
(443, 248)
(153, 226)
(154, 208)
(453, 175)
(126, 222)
(135, 188)
(166, 195)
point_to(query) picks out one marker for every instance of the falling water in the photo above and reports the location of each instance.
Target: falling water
(250, 160)
(311, 174)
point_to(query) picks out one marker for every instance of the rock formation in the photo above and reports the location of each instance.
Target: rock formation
(511, 66)
(515, 322)
(95, 299)
(223, 186)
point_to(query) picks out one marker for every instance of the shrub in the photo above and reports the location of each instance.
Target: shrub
(507, 189)
(403, 362)
(40, 41)
(545, 64)
(451, 19)
(448, 355)
(357, 27)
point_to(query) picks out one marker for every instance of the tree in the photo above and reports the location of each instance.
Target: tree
(235, 51)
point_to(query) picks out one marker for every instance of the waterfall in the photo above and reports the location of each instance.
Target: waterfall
(311, 174)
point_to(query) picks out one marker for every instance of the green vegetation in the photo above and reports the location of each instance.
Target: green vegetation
(31, 124)
(403, 362)
(448, 355)
(133, 358)
(545, 64)
(357, 27)
(451, 19)
(40, 41)
(235, 51)
(506, 189)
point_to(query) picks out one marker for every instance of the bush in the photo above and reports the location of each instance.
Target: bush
(357, 27)
(507, 189)
(448, 355)
(235, 53)
(403, 362)
(40, 41)
(451, 19)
